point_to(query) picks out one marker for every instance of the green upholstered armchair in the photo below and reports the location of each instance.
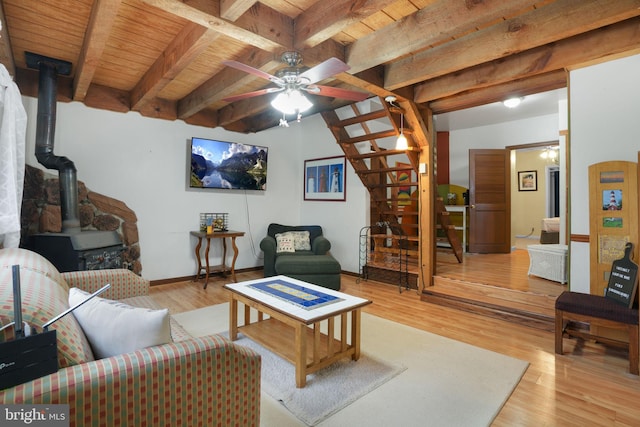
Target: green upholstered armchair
(314, 264)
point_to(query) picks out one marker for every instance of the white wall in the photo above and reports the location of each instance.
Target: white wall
(499, 136)
(528, 208)
(341, 221)
(604, 103)
(144, 163)
(517, 132)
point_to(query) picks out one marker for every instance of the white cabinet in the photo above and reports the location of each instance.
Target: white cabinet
(548, 262)
(464, 225)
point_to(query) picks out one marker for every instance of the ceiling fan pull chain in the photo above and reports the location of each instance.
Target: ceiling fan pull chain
(283, 122)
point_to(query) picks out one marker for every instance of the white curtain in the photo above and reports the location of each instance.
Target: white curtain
(13, 127)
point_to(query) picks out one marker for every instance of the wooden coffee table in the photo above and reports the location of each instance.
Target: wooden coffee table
(291, 311)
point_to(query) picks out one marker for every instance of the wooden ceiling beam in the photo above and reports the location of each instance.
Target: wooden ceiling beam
(327, 18)
(369, 81)
(227, 82)
(103, 15)
(323, 51)
(242, 109)
(486, 95)
(263, 21)
(269, 31)
(233, 9)
(207, 118)
(611, 40)
(183, 49)
(548, 24)
(443, 20)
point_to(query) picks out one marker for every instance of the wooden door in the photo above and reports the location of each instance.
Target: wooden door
(489, 201)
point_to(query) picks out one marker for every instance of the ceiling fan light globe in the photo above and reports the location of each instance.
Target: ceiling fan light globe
(291, 102)
(281, 103)
(300, 101)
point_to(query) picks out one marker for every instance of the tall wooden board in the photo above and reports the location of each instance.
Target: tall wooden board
(613, 222)
(613, 217)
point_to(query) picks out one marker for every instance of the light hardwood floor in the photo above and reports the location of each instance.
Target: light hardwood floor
(501, 270)
(587, 386)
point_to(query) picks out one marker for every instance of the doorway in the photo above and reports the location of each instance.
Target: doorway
(553, 191)
(530, 206)
(472, 129)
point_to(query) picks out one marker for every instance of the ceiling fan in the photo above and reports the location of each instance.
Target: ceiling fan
(294, 79)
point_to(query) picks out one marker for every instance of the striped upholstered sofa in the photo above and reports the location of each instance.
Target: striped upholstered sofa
(188, 381)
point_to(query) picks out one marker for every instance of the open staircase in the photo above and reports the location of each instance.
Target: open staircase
(391, 175)
(392, 242)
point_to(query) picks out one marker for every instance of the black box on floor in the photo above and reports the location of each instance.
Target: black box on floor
(28, 358)
(549, 237)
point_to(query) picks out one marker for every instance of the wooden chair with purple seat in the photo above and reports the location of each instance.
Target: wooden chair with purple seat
(614, 310)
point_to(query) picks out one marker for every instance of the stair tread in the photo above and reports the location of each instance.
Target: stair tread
(512, 314)
(526, 301)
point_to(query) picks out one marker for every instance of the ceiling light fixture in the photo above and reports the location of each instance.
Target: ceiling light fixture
(550, 153)
(513, 102)
(291, 102)
(401, 142)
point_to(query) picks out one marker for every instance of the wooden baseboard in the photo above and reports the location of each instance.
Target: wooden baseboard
(193, 277)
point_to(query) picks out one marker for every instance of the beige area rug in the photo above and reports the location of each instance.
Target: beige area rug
(445, 383)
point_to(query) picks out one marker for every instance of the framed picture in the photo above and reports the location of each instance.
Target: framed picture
(403, 193)
(611, 200)
(324, 179)
(528, 181)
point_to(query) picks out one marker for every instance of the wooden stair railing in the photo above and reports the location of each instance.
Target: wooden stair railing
(379, 177)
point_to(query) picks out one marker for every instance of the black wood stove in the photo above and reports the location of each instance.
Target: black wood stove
(72, 249)
(88, 250)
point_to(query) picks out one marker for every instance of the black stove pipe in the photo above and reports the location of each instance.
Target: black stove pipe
(45, 131)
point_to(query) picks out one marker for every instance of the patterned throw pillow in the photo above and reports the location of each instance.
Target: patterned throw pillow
(301, 240)
(284, 243)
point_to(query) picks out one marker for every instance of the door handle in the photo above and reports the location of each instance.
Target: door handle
(473, 206)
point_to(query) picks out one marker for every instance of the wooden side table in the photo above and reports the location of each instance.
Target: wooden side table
(223, 268)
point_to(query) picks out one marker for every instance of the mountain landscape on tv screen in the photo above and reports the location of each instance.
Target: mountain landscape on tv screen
(241, 170)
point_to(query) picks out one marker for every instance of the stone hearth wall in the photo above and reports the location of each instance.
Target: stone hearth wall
(41, 213)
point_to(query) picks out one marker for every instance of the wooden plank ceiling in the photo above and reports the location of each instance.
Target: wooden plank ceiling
(163, 58)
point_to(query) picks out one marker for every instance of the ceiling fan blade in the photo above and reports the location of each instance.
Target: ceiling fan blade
(324, 70)
(336, 92)
(252, 94)
(248, 69)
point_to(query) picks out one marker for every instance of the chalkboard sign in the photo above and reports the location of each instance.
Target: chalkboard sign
(623, 280)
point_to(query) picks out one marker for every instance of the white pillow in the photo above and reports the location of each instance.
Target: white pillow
(284, 243)
(114, 328)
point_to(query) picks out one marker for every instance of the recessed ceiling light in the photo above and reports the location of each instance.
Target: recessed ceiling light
(513, 102)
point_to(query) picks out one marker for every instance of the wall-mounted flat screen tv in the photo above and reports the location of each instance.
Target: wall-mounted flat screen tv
(229, 165)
